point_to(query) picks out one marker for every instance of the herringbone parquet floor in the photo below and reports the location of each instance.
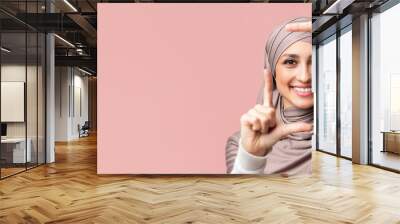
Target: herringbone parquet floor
(69, 191)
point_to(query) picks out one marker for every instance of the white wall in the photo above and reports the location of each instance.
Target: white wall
(33, 127)
(70, 83)
(16, 72)
(79, 110)
(62, 81)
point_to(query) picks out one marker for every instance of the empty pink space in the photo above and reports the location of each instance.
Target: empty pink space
(174, 79)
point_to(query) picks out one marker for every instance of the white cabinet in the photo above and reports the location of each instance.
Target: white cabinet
(12, 101)
(18, 149)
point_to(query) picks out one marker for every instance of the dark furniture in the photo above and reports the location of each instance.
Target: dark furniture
(3, 129)
(84, 130)
(391, 141)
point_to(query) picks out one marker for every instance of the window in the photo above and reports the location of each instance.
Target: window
(327, 95)
(346, 92)
(22, 78)
(385, 89)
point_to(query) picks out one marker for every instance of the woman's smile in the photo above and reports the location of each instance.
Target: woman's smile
(301, 90)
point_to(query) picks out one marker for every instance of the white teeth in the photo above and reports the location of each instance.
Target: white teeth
(303, 90)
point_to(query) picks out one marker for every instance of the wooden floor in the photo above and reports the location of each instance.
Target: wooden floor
(5, 172)
(69, 191)
(387, 159)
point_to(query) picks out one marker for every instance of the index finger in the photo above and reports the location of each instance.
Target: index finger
(267, 88)
(299, 27)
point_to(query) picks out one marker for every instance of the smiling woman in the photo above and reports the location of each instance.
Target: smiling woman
(275, 135)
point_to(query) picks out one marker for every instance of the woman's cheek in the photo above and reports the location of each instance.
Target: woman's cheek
(287, 77)
(285, 90)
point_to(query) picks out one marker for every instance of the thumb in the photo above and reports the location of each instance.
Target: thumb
(287, 129)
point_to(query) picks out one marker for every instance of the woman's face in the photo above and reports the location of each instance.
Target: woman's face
(293, 76)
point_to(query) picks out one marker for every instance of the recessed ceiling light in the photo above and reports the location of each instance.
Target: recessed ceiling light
(338, 6)
(5, 50)
(84, 71)
(64, 40)
(70, 5)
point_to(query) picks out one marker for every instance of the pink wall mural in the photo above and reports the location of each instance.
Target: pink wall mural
(174, 79)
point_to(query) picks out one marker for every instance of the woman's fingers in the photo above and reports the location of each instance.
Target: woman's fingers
(286, 129)
(299, 27)
(260, 130)
(250, 121)
(256, 120)
(269, 116)
(268, 82)
(260, 118)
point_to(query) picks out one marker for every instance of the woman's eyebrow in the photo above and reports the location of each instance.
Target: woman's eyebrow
(291, 55)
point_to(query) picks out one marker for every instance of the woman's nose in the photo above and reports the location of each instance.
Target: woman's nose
(304, 74)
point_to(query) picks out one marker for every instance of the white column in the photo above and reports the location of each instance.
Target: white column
(50, 91)
(360, 90)
(50, 99)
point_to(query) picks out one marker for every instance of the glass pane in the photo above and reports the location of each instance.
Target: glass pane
(327, 96)
(31, 86)
(41, 98)
(385, 84)
(31, 100)
(346, 94)
(13, 86)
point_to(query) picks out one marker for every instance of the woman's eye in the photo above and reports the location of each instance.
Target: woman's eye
(289, 62)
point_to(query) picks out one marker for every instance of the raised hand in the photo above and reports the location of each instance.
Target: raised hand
(260, 129)
(299, 27)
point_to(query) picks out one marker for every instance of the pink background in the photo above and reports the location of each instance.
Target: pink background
(174, 79)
